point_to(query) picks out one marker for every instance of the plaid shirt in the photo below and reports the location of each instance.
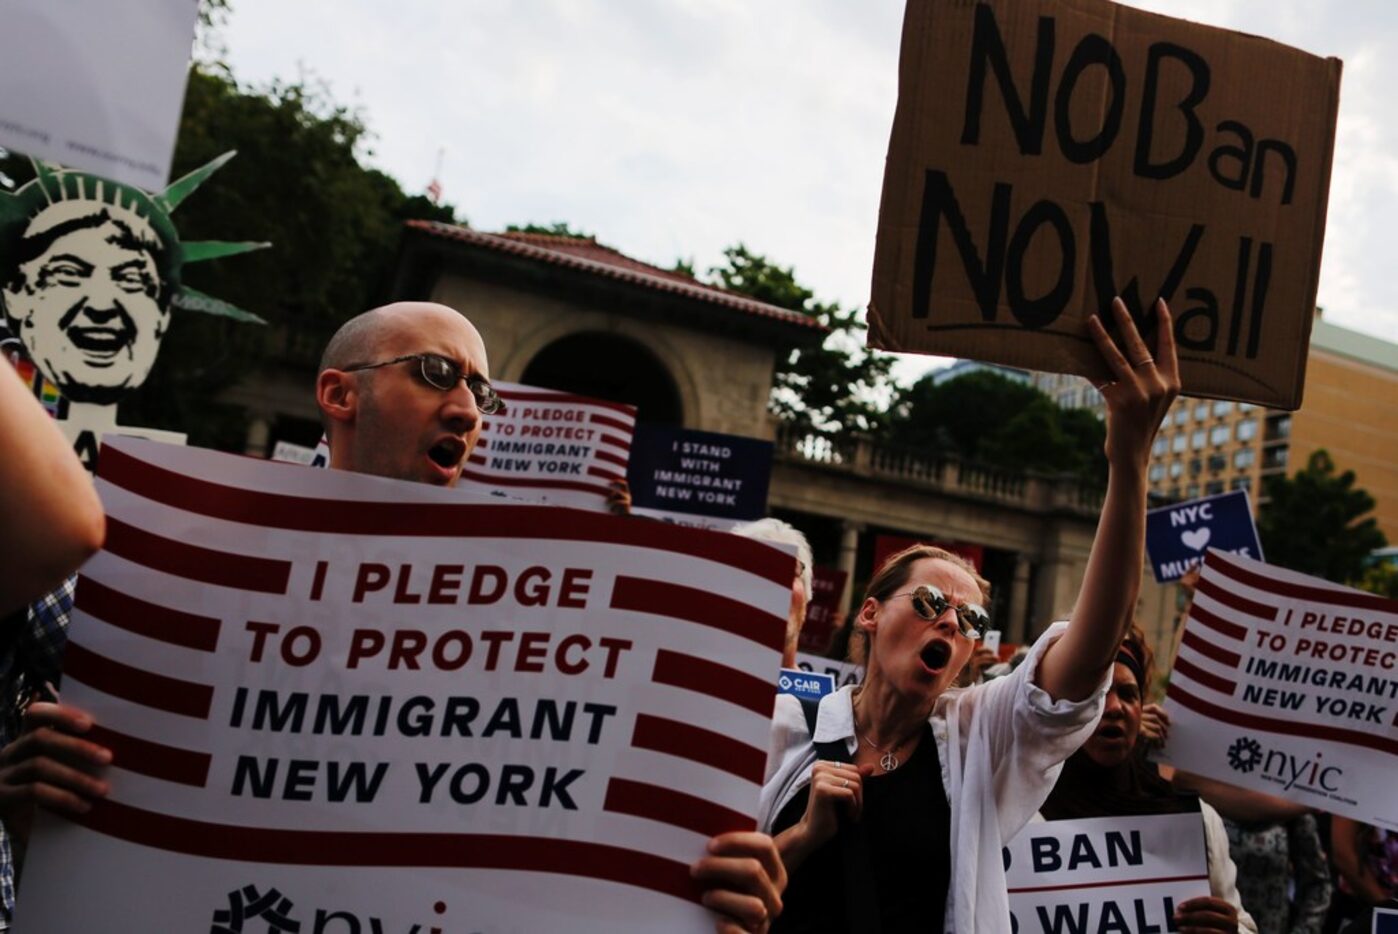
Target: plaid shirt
(32, 654)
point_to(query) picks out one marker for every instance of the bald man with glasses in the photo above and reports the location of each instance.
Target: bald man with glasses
(402, 391)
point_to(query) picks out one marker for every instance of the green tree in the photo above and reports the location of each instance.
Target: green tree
(837, 386)
(986, 417)
(1312, 522)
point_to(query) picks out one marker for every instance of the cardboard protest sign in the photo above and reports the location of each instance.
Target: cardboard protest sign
(551, 447)
(90, 272)
(823, 610)
(337, 696)
(1105, 873)
(698, 477)
(1178, 535)
(843, 672)
(97, 86)
(1286, 684)
(805, 685)
(1049, 155)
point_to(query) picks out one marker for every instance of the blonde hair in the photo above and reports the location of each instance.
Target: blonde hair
(893, 576)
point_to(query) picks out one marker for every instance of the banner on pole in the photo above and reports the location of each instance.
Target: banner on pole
(337, 696)
(1286, 684)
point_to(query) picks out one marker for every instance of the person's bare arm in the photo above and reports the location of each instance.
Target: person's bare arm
(1239, 804)
(1138, 397)
(53, 520)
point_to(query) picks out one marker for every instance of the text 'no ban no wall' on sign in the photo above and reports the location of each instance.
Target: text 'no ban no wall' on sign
(1047, 156)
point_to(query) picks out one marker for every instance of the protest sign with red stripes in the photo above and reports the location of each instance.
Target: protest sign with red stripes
(335, 696)
(1288, 684)
(551, 447)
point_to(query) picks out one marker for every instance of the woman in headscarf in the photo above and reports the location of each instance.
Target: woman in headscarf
(1110, 777)
(890, 803)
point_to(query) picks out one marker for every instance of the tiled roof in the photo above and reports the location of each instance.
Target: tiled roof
(587, 255)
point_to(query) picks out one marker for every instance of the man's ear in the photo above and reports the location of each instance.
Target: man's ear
(337, 395)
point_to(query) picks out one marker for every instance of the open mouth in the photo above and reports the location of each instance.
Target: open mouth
(447, 452)
(935, 655)
(1110, 731)
(100, 340)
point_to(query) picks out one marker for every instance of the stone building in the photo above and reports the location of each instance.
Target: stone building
(570, 313)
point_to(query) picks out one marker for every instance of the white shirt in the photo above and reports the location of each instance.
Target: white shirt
(1001, 746)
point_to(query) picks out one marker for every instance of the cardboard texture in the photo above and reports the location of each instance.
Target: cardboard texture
(1048, 156)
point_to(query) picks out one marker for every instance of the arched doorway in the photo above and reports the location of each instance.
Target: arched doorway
(608, 366)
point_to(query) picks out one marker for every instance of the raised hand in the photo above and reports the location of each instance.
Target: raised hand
(1142, 386)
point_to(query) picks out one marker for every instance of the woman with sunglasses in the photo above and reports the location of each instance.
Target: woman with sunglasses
(889, 802)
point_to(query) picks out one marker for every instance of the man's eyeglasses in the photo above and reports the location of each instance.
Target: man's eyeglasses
(930, 603)
(444, 373)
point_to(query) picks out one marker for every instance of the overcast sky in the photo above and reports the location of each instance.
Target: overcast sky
(672, 128)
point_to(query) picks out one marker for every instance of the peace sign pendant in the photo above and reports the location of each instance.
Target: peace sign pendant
(889, 762)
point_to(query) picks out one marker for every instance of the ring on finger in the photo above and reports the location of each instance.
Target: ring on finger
(1147, 360)
(845, 783)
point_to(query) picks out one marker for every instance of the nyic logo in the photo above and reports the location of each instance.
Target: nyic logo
(1306, 773)
(251, 911)
(247, 905)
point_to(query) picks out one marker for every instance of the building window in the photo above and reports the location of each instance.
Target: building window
(1222, 408)
(1176, 468)
(1247, 429)
(1161, 443)
(1195, 466)
(1217, 462)
(1243, 458)
(1181, 414)
(1200, 436)
(1157, 472)
(1212, 487)
(1192, 491)
(1242, 483)
(1278, 427)
(1180, 443)
(1219, 435)
(1274, 458)
(1246, 406)
(1201, 411)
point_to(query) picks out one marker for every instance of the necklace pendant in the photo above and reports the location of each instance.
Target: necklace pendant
(889, 762)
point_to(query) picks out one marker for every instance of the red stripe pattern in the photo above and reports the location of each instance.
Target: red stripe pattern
(1311, 594)
(206, 565)
(1207, 678)
(1208, 649)
(698, 606)
(146, 619)
(304, 514)
(415, 850)
(1235, 601)
(667, 806)
(673, 738)
(154, 759)
(136, 685)
(1217, 623)
(714, 680)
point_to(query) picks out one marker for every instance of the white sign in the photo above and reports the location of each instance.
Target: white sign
(1288, 685)
(289, 453)
(551, 447)
(96, 86)
(1105, 873)
(336, 696)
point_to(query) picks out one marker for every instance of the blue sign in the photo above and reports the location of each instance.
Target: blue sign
(806, 685)
(677, 470)
(1177, 536)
